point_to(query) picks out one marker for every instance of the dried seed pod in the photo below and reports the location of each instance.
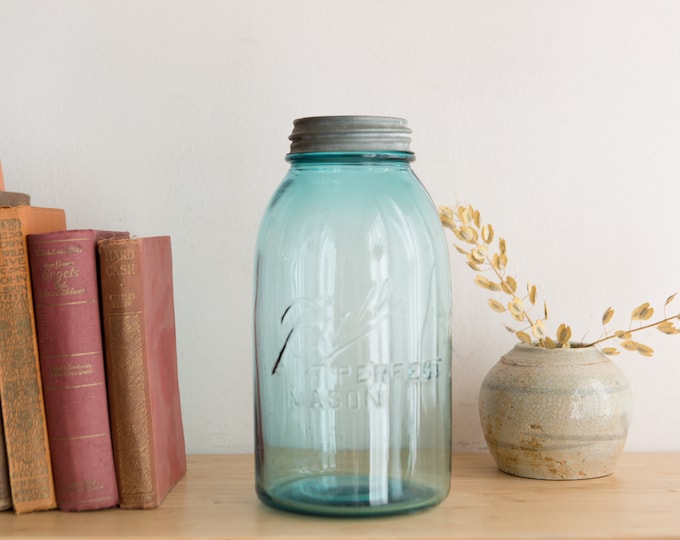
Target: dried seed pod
(532, 294)
(563, 335)
(642, 313)
(496, 306)
(538, 329)
(487, 233)
(524, 337)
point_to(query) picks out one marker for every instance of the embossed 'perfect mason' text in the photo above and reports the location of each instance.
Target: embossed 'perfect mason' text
(356, 387)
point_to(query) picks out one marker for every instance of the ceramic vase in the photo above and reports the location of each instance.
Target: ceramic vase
(559, 414)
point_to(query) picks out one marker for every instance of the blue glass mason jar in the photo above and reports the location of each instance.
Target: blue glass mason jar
(352, 375)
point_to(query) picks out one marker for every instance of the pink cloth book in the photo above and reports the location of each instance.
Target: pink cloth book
(65, 281)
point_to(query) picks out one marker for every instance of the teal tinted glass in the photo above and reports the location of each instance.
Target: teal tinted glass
(352, 375)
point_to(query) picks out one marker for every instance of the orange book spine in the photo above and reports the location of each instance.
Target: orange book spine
(141, 364)
(23, 409)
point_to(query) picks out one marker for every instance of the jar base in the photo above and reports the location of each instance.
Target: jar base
(349, 495)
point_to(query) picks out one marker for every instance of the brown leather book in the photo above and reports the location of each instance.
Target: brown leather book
(23, 411)
(11, 198)
(141, 367)
(5, 497)
(65, 283)
(5, 494)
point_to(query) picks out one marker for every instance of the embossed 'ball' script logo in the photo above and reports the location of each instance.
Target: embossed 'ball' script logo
(316, 326)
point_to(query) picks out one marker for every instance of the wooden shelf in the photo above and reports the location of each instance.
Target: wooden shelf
(217, 500)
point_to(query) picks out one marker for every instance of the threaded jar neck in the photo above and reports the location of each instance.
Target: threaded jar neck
(343, 134)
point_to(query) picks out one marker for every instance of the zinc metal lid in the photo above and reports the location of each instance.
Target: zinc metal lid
(350, 134)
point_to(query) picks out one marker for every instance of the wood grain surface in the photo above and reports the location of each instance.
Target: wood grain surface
(217, 500)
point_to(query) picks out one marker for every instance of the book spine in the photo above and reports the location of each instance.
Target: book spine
(5, 495)
(66, 298)
(127, 376)
(23, 410)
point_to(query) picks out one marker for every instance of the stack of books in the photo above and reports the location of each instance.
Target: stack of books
(88, 365)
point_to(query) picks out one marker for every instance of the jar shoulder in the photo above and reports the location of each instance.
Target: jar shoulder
(308, 198)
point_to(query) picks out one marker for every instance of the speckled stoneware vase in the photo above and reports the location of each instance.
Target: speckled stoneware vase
(560, 414)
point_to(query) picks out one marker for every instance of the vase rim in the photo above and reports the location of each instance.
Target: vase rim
(533, 355)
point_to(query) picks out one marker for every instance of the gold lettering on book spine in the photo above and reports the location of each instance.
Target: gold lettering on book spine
(128, 403)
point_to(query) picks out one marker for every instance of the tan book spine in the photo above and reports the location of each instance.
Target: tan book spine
(23, 410)
(132, 436)
(141, 364)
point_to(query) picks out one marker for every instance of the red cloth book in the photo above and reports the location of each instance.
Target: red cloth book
(65, 281)
(141, 365)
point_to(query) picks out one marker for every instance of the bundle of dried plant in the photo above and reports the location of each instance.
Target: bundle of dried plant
(487, 256)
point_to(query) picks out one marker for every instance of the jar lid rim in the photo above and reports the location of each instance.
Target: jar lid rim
(349, 133)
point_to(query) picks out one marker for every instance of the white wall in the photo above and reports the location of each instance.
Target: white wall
(559, 120)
